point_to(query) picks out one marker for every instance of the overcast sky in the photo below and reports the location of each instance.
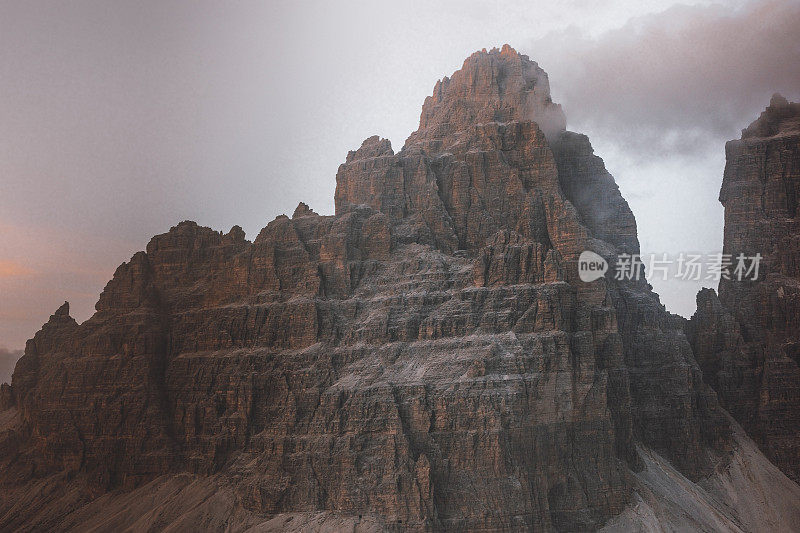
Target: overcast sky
(119, 120)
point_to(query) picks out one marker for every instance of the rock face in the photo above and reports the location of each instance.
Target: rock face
(748, 340)
(426, 357)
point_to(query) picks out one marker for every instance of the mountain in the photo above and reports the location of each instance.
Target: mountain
(427, 358)
(747, 340)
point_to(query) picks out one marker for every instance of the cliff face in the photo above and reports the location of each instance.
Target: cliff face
(748, 340)
(427, 356)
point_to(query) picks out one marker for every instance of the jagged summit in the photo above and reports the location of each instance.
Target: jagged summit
(780, 118)
(494, 86)
(778, 100)
(374, 146)
(451, 186)
(302, 210)
(63, 310)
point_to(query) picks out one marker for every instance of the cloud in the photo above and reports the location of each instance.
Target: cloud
(660, 95)
(678, 80)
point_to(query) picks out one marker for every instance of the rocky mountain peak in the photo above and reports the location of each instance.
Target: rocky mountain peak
(63, 310)
(374, 146)
(495, 86)
(781, 117)
(302, 210)
(778, 100)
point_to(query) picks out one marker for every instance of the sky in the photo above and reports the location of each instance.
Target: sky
(120, 119)
(8, 359)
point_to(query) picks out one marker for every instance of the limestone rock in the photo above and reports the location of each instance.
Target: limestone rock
(749, 340)
(426, 357)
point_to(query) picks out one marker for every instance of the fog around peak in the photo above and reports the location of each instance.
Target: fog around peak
(676, 81)
(660, 96)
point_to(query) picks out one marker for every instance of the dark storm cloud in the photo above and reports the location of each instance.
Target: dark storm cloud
(678, 80)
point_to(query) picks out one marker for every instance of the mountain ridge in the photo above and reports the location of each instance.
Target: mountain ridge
(427, 357)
